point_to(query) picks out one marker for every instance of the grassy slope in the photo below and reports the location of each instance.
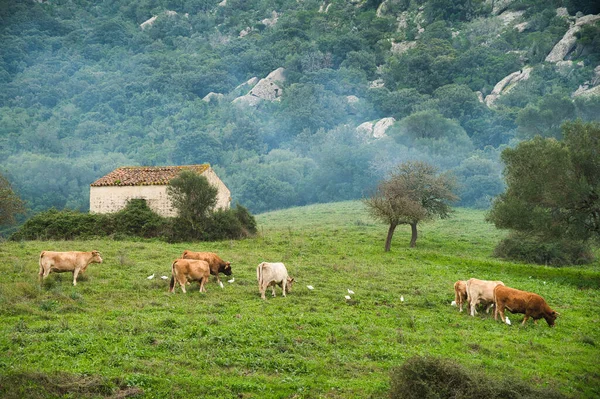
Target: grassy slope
(119, 326)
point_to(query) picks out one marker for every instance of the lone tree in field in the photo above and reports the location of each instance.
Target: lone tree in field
(193, 197)
(413, 193)
(553, 191)
(10, 203)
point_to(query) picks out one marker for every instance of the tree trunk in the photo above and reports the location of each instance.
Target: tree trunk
(413, 239)
(388, 240)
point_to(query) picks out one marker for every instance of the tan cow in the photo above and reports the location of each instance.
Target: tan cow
(528, 303)
(183, 270)
(460, 293)
(73, 261)
(272, 274)
(217, 265)
(481, 291)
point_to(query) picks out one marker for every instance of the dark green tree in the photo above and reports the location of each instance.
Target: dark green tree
(413, 193)
(10, 203)
(553, 187)
(193, 197)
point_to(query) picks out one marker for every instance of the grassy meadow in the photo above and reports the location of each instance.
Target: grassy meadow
(119, 334)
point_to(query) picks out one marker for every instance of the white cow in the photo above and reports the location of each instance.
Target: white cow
(271, 274)
(481, 291)
(72, 261)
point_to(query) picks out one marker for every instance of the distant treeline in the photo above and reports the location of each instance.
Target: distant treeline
(84, 89)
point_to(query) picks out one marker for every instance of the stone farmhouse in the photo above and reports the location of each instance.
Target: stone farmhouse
(110, 193)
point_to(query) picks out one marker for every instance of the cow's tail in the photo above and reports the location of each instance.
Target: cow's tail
(172, 284)
(41, 272)
(456, 293)
(259, 275)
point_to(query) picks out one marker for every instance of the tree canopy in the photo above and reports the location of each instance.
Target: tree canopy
(413, 193)
(10, 203)
(553, 187)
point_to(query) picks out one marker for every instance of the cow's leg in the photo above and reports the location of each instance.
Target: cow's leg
(262, 288)
(460, 303)
(472, 304)
(525, 319)
(283, 285)
(487, 309)
(75, 273)
(501, 311)
(273, 290)
(182, 281)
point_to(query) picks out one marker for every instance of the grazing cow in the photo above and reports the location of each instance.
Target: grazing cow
(183, 270)
(528, 303)
(481, 291)
(460, 293)
(217, 265)
(73, 261)
(272, 274)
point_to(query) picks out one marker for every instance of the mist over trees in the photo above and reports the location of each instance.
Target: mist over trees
(84, 88)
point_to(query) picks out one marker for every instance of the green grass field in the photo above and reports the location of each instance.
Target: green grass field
(119, 334)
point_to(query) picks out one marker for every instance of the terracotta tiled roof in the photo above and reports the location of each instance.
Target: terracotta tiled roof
(145, 175)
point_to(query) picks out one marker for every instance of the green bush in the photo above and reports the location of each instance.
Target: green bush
(428, 378)
(532, 249)
(63, 225)
(136, 220)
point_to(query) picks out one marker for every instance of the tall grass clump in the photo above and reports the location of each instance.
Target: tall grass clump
(428, 377)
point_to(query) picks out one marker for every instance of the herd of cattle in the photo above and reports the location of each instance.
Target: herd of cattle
(496, 294)
(198, 266)
(192, 266)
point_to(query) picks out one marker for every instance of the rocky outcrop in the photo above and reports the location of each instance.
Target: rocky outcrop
(591, 88)
(210, 97)
(567, 43)
(376, 130)
(499, 6)
(271, 21)
(402, 47)
(506, 84)
(269, 89)
(148, 23)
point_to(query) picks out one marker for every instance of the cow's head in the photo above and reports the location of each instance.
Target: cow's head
(288, 286)
(226, 269)
(550, 317)
(96, 258)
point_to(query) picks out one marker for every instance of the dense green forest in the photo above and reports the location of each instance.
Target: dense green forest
(88, 86)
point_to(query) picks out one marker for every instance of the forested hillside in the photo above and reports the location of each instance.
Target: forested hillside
(359, 86)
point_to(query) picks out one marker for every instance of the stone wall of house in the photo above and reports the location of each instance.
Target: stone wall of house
(224, 195)
(109, 199)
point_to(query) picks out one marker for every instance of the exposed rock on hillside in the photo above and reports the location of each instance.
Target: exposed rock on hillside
(269, 88)
(590, 88)
(148, 23)
(376, 130)
(271, 21)
(506, 84)
(566, 44)
(499, 6)
(402, 47)
(213, 97)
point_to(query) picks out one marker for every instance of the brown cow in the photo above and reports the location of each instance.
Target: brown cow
(481, 291)
(460, 293)
(217, 265)
(528, 303)
(183, 270)
(73, 261)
